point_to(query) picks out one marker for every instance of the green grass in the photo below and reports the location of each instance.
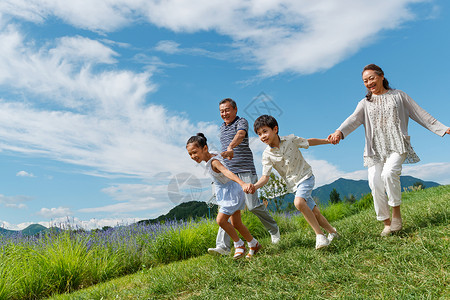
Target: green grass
(413, 264)
(61, 262)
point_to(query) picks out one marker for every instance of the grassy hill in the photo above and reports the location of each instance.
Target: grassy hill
(347, 187)
(412, 264)
(185, 211)
(30, 230)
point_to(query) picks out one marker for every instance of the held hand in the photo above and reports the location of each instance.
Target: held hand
(228, 154)
(245, 188)
(448, 131)
(248, 188)
(331, 139)
(335, 137)
(252, 188)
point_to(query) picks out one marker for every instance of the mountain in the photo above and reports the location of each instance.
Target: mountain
(345, 187)
(4, 231)
(408, 181)
(30, 230)
(34, 229)
(185, 211)
(358, 188)
(348, 187)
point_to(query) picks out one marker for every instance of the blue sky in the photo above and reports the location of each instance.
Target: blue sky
(97, 98)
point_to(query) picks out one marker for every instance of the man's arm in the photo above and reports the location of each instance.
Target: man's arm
(238, 138)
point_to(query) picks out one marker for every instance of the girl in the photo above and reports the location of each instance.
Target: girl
(230, 195)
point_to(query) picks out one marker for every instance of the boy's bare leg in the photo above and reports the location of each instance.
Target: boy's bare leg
(222, 220)
(300, 204)
(237, 223)
(323, 221)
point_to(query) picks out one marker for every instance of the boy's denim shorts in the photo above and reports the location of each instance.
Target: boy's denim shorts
(304, 190)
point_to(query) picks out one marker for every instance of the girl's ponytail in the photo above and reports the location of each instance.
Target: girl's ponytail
(199, 139)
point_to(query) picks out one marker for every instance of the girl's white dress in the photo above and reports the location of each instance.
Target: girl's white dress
(229, 194)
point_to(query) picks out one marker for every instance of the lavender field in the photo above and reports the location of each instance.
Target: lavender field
(35, 267)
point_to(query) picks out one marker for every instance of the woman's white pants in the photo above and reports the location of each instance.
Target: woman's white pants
(384, 181)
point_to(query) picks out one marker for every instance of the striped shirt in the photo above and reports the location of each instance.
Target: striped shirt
(242, 160)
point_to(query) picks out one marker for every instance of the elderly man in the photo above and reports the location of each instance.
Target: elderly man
(235, 147)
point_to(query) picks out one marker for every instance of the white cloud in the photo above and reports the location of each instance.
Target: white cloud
(278, 36)
(286, 36)
(111, 222)
(16, 205)
(172, 47)
(24, 174)
(14, 201)
(55, 212)
(169, 47)
(153, 63)
(90, 224)
(326, 172)
(100, 119)
(439, 172)
(158, 197)
(76, 49)
(73, 222)
(7, 225)
(92, 15)
(62, 73)
(131, 198)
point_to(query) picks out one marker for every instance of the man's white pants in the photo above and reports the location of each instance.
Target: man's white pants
(384, 181)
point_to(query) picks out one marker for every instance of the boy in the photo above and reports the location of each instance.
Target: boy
(283, 154)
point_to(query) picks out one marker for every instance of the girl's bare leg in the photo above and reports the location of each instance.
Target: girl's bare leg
(237, 223)
(222, 220)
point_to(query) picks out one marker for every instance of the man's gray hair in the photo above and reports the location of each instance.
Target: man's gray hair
(231, 101)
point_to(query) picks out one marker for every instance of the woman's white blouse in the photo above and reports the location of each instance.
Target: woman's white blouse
(385, 120)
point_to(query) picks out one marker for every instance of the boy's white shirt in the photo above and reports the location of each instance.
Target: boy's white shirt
(288, 161)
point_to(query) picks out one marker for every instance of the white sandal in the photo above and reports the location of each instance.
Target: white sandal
(239, 252)
(253, 250)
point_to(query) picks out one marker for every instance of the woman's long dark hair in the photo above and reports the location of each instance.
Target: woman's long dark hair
(379, 72)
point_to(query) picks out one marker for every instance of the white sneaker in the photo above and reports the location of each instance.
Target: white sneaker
(321, 241)
(275, 237)
(218, 251)
(386, 231)
(332, 236)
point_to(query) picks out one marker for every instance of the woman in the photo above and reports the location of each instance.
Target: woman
(385, 112)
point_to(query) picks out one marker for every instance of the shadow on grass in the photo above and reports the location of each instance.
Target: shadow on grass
(439, 218)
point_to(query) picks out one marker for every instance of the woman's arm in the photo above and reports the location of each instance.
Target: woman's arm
(349, 125)
(422, 117)
(353, 121)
